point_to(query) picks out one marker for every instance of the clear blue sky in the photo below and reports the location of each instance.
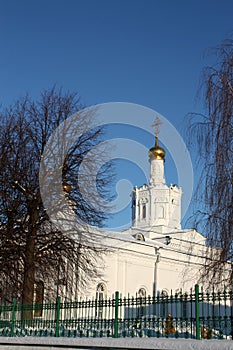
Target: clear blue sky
(146, 52)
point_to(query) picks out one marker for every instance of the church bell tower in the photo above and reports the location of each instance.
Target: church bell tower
(157, 204)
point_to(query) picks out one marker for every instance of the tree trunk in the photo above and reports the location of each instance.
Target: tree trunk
(29, 266)
(29, 277)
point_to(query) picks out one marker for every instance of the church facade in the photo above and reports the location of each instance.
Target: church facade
(155, 255)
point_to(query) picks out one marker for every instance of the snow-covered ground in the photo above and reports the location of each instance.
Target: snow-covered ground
(33, 343)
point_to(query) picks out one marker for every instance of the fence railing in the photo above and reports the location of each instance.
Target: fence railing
(197, 314)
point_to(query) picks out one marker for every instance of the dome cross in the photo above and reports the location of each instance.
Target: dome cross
(156, 125)
(157, 152)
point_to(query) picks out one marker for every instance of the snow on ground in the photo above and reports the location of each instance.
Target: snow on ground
(34, 343)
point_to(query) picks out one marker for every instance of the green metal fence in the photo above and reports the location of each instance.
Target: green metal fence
(197, 314)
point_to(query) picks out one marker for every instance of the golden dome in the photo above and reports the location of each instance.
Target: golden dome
(157, 152)
(67, 188)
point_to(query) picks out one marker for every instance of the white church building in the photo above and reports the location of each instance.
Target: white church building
(155, 255)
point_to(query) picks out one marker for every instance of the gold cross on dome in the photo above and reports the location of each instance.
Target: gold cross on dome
(156, 125)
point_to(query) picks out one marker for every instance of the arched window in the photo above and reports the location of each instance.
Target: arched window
(185, 302)
(100, 296)
(141, 302)
(101, 288)
(133, 208)
(139, 236)
(164, 303)
(142, 293)
(144, 211)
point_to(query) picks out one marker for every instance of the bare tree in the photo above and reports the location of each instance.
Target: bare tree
(213, 135)
(32, 248)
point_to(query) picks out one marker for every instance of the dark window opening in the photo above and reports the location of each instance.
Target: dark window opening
(144, 212)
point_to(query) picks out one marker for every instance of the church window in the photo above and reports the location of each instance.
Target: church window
(144, 211)
(140, 237)
(185, 306)
(141, 302)
(142, 292)
(184, 310)
(100, 295)
(164, 303)
(133, 208)
(101, 290)
(133, 214)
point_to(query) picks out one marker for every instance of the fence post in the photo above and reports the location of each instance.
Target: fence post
(116, 315)
(58, 305)
(13, 317)
(197, 312)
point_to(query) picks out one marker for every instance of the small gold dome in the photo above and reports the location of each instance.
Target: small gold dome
(67, 188)
(157, 152)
